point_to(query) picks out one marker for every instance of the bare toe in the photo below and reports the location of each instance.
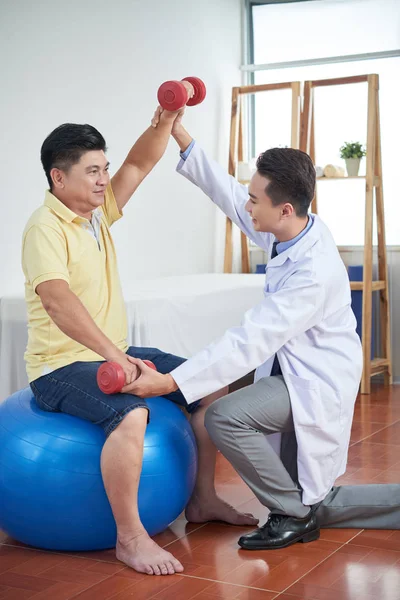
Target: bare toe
(177, 566)
(164, 569)
(170, 568)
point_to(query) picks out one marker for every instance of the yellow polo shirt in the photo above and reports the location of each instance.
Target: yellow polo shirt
(58, 244)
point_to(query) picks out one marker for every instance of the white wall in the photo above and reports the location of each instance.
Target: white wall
(101, 62)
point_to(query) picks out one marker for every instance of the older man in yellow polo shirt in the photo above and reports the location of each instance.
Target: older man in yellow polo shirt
(77, 318)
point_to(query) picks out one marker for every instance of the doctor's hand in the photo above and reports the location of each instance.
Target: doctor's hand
(130, 368)
(150, 383)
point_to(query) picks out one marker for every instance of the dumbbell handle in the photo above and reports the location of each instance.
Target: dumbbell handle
(111, 376)
(174, 95)
(189, 88)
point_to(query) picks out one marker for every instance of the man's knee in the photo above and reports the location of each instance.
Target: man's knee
(132, 425)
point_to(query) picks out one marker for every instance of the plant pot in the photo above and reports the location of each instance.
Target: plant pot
(352, 166)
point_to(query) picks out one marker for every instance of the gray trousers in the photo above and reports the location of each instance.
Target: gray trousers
(238, 424)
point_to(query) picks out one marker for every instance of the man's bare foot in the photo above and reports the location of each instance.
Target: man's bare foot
(145, 556)
(199, 511)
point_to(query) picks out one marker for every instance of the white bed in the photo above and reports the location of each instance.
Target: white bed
(176, 314)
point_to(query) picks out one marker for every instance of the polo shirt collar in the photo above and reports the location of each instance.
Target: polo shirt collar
(61, 210)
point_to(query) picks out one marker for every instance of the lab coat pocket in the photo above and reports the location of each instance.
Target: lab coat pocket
(306, 401)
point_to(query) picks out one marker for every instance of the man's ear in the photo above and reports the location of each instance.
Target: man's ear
(58, 178)
(287, 210)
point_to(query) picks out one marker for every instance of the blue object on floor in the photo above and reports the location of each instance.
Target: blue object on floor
(51, 490)
(356, 274)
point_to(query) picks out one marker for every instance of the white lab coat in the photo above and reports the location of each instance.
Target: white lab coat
(306, 318)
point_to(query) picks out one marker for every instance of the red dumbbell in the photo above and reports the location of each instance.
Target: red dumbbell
(173, 95)
(111, 376)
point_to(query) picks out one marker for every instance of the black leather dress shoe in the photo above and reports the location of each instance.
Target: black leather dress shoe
(281, 531)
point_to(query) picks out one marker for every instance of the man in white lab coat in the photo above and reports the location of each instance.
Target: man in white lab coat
(302, 341)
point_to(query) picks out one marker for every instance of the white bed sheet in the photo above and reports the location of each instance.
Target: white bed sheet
(176, 314)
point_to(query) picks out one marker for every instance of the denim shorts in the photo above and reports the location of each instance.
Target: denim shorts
(73, 390)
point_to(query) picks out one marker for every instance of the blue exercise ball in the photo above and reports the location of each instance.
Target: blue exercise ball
(51, 490)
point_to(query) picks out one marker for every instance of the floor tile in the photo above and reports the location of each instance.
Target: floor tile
(185, 589)
(256, 595)
(364, 429)
(17, 594)
(325, 574)
(107, 589)
(148, 587)
(181, 528)
(303, 591)
(277, 578)
(61, 591)
(316, 551)
(208, 566)
(106, 568)
(340, 535)
(238, 593)
(131, 574)
(388, 476)
(389, 435)
(77, 563)
(386, 540)
(377, 414)
(101, 555)
(352, 573)
(12, 557)
(354, 550)
(26, 582)
(365, 580)
(64, 573)
(344, 564)
(230, 592)
(213, 538)
(37, 564)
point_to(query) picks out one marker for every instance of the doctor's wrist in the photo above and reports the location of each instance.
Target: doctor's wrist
(181, 136)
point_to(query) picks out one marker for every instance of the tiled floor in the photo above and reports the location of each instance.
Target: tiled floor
(342, 565)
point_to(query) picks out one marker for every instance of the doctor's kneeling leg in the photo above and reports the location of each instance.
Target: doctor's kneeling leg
(368, 506)
(239, 423)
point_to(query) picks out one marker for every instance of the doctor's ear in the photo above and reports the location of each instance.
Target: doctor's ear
(287, 210)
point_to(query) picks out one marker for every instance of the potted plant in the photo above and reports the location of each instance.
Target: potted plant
(352, 152)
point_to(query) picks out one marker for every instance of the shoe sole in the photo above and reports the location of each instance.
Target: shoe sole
(313, 536)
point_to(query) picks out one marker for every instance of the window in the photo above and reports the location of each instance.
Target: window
(292, 31)
(321, 28)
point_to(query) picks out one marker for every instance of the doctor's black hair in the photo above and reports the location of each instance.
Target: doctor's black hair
(292, 177)
(66, 144)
